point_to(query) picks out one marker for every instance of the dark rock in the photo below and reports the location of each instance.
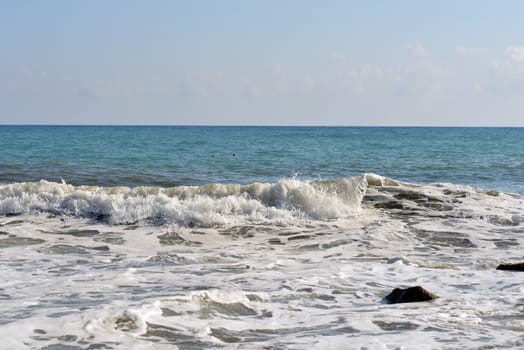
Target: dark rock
(409, 295)
(511, 267)
(102, 248)
(389, 205)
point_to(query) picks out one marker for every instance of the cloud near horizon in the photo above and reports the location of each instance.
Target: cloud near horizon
(235, 62)
(351, 87)
(516, 53)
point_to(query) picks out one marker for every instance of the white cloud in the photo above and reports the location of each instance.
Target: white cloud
(507, 75)
(418, 50)
(512, 66)
(470, 50)
(516, 53)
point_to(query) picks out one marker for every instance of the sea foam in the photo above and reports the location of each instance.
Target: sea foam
(207, 205)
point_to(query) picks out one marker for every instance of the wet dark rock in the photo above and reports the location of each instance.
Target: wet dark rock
(409, 295)
(389, 205)
(126, 323)
(416, 196)
(511, 267)
(492, 193)
(297, 237)
(102, 248)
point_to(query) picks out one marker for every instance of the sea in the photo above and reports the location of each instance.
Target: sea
(234, 237)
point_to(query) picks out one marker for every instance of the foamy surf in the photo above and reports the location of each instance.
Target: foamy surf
(292, 264)
(213, 204)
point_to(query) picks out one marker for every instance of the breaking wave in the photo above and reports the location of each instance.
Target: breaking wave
(214, 204)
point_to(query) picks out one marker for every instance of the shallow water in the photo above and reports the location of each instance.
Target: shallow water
(259, 266)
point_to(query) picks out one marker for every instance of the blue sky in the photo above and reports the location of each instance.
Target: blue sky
(262, 62)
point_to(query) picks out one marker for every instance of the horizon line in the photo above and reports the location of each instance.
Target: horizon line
(264, 125)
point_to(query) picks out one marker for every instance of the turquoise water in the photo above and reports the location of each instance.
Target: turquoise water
(259, 237)
(170, 155)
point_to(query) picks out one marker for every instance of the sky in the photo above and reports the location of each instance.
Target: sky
(262, 62)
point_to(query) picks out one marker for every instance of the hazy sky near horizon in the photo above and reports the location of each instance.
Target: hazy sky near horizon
(293, 62)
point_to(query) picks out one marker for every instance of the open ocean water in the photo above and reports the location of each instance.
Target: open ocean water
(259, 237)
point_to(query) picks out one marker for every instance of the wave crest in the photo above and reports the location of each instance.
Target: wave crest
(213, 204)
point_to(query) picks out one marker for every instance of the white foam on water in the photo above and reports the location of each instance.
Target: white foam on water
(215, 204)
(268, 268)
